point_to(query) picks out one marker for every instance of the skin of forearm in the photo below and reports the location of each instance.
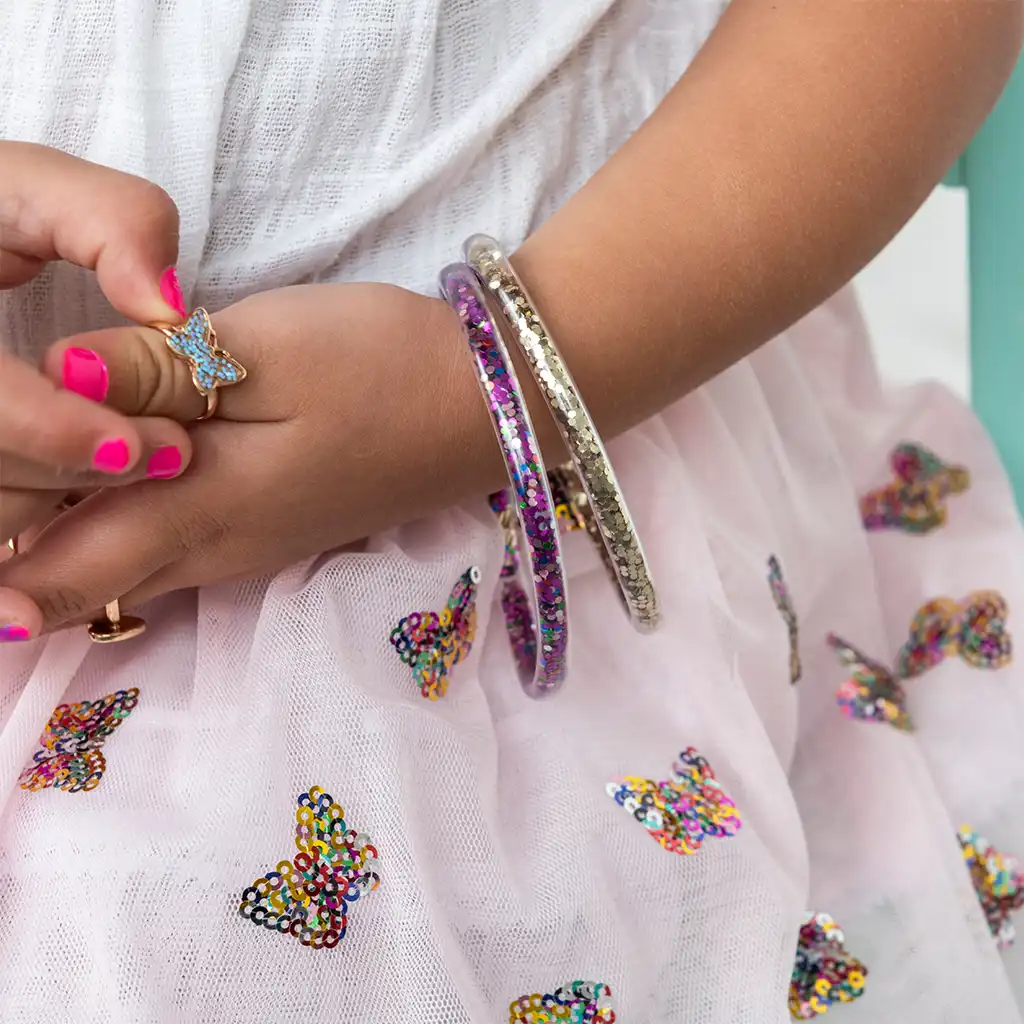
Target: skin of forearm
(801, 139)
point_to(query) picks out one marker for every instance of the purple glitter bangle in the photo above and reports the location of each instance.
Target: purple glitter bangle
(542, 666)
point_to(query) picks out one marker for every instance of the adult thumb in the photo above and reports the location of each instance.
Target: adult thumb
(57, 207)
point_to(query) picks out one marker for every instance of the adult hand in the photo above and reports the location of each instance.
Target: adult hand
(359, 411)
(55, 434)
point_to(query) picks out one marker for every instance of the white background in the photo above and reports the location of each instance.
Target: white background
(915, 296)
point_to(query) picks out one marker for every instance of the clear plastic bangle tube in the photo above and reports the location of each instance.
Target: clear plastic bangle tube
(542, 665)
(607, 505)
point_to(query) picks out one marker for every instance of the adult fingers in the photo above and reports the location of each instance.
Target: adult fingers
(55, 206)
(60, 429)
(114, 540)
(166, 452)
(20, 618)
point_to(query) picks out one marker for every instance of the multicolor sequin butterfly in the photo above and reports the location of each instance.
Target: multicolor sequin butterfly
(681, 812)
(579, 1002)
(780, 592)
(211, 366)
(433, 644)
(872, 693)
(916, 500)
(975, 629)
(310, 896)
(998, 881)
(71, 758)
(823, 973)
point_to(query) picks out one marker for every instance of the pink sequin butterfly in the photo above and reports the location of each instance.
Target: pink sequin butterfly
(579, 1002)
(434, 643)
(916, 500)
(71, 758)
(872, 693)
(310, 896)
(975, 629)
(681, 812)
(780, 592)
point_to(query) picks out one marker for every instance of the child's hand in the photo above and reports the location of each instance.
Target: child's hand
(360, 411)
(55, 207)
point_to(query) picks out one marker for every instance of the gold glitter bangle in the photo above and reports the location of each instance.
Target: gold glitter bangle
(607, 505)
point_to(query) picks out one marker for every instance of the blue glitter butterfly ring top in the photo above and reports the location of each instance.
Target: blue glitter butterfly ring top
(195, 342)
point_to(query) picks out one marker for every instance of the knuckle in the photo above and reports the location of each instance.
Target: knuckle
(64, 603)
(155, 211)
(195, 530)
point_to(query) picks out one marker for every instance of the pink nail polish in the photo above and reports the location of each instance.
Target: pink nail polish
(85, 374)
(170, 289)
(13, 633)
(164, 463)
(111, 456)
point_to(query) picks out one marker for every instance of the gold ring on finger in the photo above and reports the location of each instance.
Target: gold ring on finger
(195, 342)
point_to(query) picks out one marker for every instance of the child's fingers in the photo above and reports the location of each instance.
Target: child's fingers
(166, 451)
(60, 429)
(55, 206)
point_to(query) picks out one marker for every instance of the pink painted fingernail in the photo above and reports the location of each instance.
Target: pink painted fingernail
(12, 633)
(164, 463)
(85, 374)
(111, 456)
(170, 289)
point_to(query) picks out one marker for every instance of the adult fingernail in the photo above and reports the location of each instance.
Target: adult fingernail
(170, 289)
(13, 633)
(112, 456)
(164, 463)
(85, 374)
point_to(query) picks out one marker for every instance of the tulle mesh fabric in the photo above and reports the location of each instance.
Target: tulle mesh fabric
(356, 140)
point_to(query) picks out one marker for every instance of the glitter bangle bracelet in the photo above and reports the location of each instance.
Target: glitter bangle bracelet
(607, 505)
(542, 665)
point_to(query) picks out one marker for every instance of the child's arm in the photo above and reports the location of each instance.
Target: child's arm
(798, 143)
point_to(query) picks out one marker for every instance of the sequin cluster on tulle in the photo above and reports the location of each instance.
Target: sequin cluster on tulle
(823, 972)
(310, 896)
(783, 601)
(680, 813)
(975, 629)
(71, 758)
(579, 1002)
(915, 501)
(997, 881)
(433, 643)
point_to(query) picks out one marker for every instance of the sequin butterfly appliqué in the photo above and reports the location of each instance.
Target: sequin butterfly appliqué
(579, 1002)
(916, 500)
(310, 896)
(823, 972)
(783, 601)
(998, 883)
(975, 629)
(70, 758)
(872, 693)
(434, 643)
(682, 812)
(196, 342)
